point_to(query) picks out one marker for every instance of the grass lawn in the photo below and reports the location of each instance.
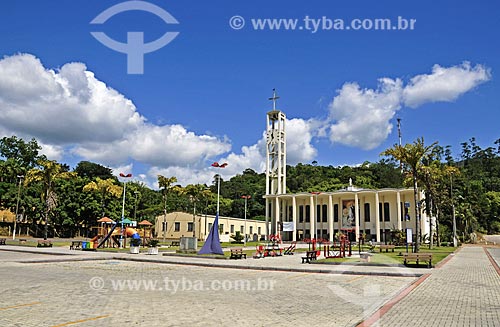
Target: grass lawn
(396, 257)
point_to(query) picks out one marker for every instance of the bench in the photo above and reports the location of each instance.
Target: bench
(237, 254)
(310, 256)
(417, 257)
(387, 247)
(22, 241)
(75, 245)
(44, 244)
(2, 241)
(175, 243)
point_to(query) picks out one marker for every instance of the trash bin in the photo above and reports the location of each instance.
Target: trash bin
(84, 245)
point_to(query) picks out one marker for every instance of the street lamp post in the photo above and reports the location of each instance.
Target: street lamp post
(123, 205)
(17, 205)
(216, 165)
(246, 197)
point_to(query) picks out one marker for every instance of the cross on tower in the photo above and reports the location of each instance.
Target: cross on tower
(274, 98)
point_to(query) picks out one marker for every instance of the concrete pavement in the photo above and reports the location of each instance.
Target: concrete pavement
(464, 292)
(48, 290)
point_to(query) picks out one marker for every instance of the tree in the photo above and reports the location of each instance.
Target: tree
(92, 170)
(166, 184)
(195, 193)
(24, 153)
(104, 187)
(47, 174)
(411, 155)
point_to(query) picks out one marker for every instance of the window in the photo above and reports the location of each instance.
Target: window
(324, 213)
(301, 214)
(259, 230)
(380, 213)
(308, 214)
(221, 228)
(368, 236)
(367, 212)
(387, 212)
(402, 211)
(242, 229)
(318, 213)
(251, 229)
(190, 227)
(163, 226)
(177, 226)
(335, 212)
(232, 228)
(210, 226)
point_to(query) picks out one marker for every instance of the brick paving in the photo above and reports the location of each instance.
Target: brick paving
(464, 292)
(82, 293)
(63, 289)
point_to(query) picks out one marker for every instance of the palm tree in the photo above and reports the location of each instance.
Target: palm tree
(411, 156)
(166, 183)
(49, 172)
(103, 187)
(195, 192)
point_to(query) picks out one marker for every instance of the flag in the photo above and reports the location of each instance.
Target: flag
(212, 243)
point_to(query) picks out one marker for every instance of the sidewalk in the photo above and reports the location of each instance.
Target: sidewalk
(464, 292)
(289, 263)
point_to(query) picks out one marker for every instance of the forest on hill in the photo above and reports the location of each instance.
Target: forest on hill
(72, 199)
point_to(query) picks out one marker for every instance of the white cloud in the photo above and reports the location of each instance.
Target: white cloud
(362, 117)
(69, 110)
(299, 135)
(444, 84)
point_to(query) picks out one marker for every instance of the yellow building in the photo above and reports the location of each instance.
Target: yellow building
(177, 224)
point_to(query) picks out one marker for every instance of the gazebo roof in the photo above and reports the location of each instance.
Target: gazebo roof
(105, 220)
(145, 223)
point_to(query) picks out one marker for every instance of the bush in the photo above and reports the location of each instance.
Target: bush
(238, 238)
(153, 243)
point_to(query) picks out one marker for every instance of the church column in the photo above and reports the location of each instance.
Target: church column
(267, 218)
(330, 217)
(276, 216)
(398, 200)
(356, 214)
(377, 217)
(294, 218)
(312, 219)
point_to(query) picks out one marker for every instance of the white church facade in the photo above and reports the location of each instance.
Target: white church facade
(372, 213)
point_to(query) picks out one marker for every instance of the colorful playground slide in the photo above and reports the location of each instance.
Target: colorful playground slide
(129, 231)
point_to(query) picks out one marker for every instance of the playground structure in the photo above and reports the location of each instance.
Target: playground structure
(272, 248)
(338, 249)
(108, 234)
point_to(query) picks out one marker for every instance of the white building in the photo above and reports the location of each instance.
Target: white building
(352, 211)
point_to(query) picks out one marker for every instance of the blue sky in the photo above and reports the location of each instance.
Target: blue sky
(203, 97)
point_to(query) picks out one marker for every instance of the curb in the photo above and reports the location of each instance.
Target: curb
(277, 269)
(386, 307)
(492, 260)
(34, 252)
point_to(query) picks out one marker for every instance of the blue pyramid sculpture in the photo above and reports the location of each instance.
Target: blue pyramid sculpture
(212, 243)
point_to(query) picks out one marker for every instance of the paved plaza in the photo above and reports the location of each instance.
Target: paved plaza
(75, 288)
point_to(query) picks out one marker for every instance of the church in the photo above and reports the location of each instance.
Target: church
(355, 212)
